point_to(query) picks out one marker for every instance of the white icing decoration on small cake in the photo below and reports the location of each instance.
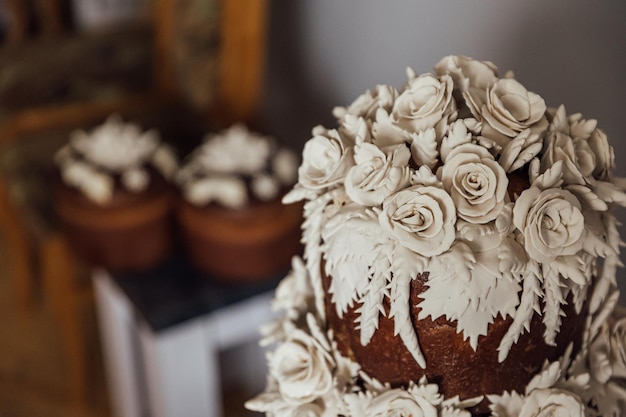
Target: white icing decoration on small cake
(416, 180)
(90, 160)
(226, 159)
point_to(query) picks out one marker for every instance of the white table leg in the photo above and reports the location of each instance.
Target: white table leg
(241, 322)
(182, 370)
(117, 324)
(239, 325)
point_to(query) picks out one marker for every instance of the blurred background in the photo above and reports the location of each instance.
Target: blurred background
(67, 64)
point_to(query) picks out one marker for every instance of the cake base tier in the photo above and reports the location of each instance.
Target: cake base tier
(132, 233)
(251, 244)
(451, 363)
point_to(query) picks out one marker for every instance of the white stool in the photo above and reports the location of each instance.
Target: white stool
(172, 372)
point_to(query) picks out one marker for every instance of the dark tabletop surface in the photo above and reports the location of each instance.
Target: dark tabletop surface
(175, 291)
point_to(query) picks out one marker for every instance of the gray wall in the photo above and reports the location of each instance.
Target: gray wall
(324, 53)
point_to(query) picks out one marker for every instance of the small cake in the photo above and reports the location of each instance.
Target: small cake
(460, 259)
(233, 222)
(113, 196)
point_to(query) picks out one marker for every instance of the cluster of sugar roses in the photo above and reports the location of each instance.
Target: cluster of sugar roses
(220, 169)
(422, 179)
(91, 161)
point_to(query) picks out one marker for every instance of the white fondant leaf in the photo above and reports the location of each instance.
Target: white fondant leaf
(438, 300)
(265, 402)
(406, 265)
(534, 170)
(298, 193)
(372, 300)
(454, 412)
(600, 317)
(457, 135)
(358, 403)
(512, 256)
(559, 121)
(458, 403)
(529, 304)
(545, 379)
(570, 267)
(474, 324)
(473, 232)
(459, 260)
(587, 197)
(609, 192)
(596, 241)
(370, 310)
(349, 278)
(553, 299)
(424, 148)
(350, 238)
(551, 178)
(605, 282)
(521, 150)
(527, 155)
(424, 176)
(311, 237)
(508, 404)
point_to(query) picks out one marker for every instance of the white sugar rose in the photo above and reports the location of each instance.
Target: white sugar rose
(326, 160)
(377, 175)
(579, 160)
(467, 72)
(552, 403)
(400, 403)
(618, 349)
(421, 218)
(551, 221)
(426, 101)
(471, 78)
(604, 155)
(476, 183)
(510, 109)
(302, 368)
(366, 105)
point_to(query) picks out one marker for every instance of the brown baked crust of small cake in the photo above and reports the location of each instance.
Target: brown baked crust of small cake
(132, 232)
(253, 243)
(451, 362)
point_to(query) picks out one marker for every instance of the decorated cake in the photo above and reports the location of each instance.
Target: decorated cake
(233, 222)
(460, 259)
(114, 198)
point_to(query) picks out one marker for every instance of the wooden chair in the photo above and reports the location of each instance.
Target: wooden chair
(40, 258)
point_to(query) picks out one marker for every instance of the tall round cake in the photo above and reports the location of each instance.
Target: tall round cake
(460, 259)
(113, 196)
(234, 225)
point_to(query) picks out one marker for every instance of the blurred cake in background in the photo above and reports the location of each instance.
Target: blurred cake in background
(233, 222)
(114, 199)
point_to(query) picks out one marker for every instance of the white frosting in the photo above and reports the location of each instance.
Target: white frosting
(215, 171)
(90, 160)
(384, 216)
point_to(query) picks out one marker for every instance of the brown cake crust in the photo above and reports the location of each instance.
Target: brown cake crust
(132, 232)
(451, 362)
(253, 243)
